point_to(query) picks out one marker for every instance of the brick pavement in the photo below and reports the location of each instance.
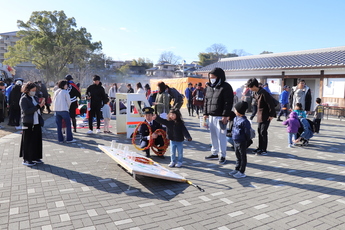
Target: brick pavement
(291, 188)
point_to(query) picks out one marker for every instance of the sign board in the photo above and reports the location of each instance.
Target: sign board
(127, 122)
(137, 164)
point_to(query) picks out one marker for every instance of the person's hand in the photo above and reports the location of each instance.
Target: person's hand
(154, 103)
(308, 112)
(270, 118)
(154, 135)
(225, 120)
(189, 139)
(42, 102)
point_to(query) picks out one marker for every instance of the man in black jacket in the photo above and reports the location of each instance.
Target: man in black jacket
(96, 94)
(218, 104)
(74, 94)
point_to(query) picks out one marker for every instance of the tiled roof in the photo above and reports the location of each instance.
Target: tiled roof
(13, 33)
(319, 58)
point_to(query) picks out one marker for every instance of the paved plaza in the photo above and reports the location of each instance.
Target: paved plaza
(290, 188)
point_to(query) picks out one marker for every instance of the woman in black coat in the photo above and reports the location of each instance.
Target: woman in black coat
(31, 144)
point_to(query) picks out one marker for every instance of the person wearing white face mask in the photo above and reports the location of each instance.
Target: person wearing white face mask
(31, 143)
(219, 98)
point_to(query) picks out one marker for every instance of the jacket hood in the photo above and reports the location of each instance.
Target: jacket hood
(219, 72)
(293, 115)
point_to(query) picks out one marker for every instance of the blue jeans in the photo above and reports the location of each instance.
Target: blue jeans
(63, 115)
(176, 145)
(294, 135)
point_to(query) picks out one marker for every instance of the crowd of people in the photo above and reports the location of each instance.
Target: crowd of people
(216, 102)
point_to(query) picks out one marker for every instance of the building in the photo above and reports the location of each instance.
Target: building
(322, 69)
(162, 70)
(187, 70)
(6, 40)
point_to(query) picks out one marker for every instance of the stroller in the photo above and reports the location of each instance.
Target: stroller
(305, 132)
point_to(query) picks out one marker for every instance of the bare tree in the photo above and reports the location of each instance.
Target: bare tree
(241, 52)
(170, 57)
(218, 49)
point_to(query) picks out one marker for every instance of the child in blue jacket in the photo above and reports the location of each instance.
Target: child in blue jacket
(240, 135)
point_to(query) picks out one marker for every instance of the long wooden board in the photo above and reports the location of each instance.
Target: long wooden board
(150, 168)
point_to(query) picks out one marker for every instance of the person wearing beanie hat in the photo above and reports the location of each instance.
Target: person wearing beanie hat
(219, 99)
(284, 102)
(97, 96)
(241, 136)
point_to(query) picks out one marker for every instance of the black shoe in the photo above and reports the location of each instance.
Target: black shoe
(256, 150)
(39, 161)
(74, 130)
(222, 161)
(261, 153)
(212, 157)
(279, 119)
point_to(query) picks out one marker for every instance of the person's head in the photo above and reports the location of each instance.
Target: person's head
(253, 84)
(318, 100)
(190, 85)
(147, 87)
(129, 86)
(139, 86)
(2, 85)
(106, 100)
(63, 84)
(199, 84)
(68, 77)
(96, 79)
(175, 115)
(216, 75)
(286, 88)
(298, 106)
(301, 83)
(114, 85)
(148, 113)
(293, 115)
(19, 82)
(240, 108)
(161, 86)
(30, 88)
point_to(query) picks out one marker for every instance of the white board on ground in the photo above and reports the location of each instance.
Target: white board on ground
(137, 164)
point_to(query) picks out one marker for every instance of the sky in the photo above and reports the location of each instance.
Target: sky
(130, 29)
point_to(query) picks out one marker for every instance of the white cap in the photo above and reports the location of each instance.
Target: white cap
(19, 82)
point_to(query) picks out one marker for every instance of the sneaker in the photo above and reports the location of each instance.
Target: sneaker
(98, 131)
(72, 141)
(172, 164)
(212, 157)
(29, 163)
(89, 132)
(178, 165)
(261, 153)
(233, 172)
(239, 175)
(279, 119)
(256, 150)
(222, 160)
(39, 161)
(289, 146)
